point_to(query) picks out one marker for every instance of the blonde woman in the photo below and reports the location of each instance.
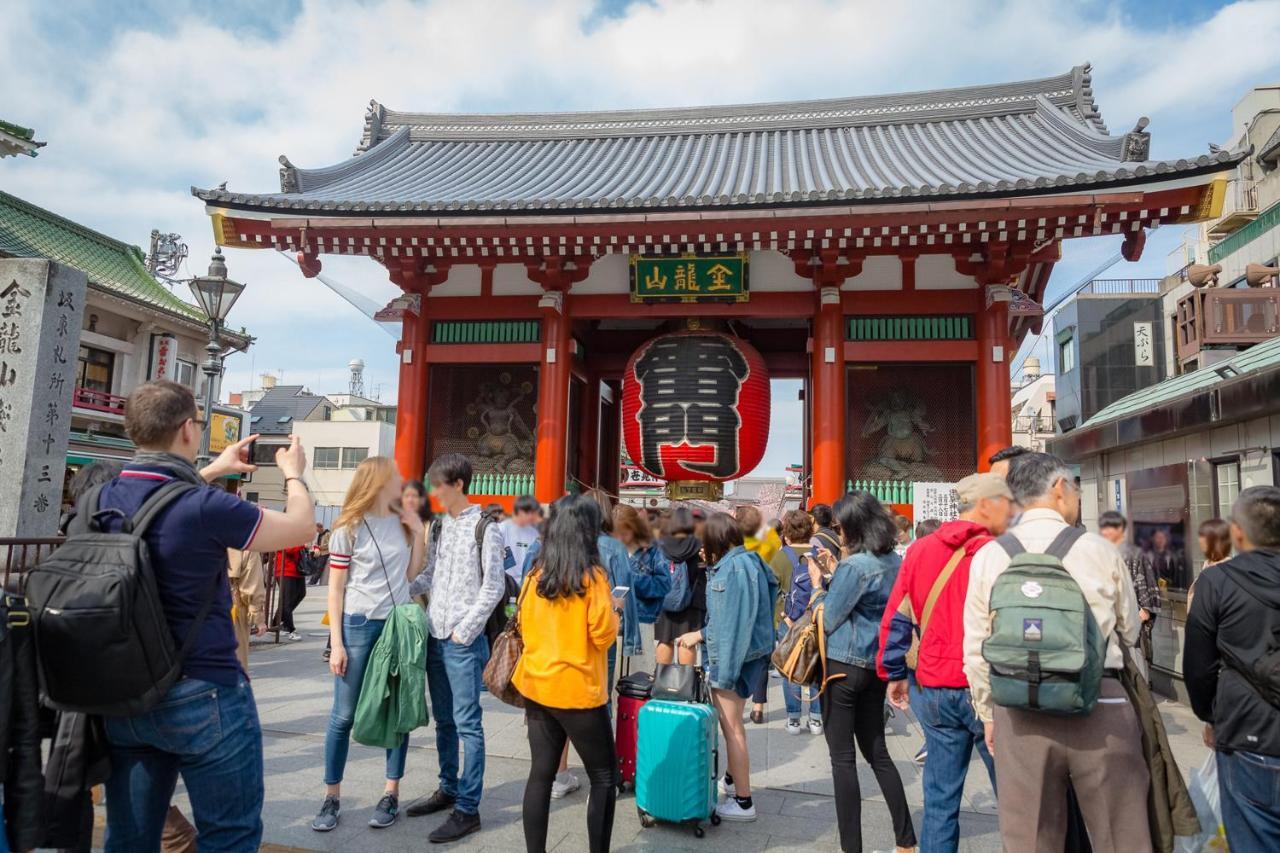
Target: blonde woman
(375, 550)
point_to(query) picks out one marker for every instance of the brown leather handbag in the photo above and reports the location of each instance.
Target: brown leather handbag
(505, 655)
(801, 655)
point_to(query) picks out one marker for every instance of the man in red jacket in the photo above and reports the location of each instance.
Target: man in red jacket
(928, 599)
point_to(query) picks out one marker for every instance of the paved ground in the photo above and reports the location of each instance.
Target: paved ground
(791, 775)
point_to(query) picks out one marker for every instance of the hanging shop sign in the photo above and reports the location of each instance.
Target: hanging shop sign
(164, 357)
(691, 278)
(695, 406)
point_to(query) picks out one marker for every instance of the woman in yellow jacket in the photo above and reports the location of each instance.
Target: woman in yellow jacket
(568, 620)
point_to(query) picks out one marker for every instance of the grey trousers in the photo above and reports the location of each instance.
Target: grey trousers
(1101, 754)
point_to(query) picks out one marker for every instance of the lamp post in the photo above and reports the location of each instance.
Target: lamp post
(215, 294)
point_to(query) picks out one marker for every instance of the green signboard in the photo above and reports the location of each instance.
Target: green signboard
(691, 278)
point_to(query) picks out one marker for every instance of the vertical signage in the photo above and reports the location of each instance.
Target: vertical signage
(164, 358)
(1143, 346)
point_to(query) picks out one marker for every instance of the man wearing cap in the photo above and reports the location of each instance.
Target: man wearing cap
(928, 601)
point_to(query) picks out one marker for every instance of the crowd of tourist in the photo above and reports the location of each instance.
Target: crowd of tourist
(907, 622)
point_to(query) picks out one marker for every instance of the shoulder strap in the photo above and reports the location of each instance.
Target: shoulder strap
(939, 584)
(482, 527)
(154, 505)
(1011, 545)
(1063, 542)
(385, 576)
(832, 544)
(86, 508)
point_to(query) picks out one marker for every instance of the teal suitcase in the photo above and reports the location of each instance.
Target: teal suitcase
(676, 764)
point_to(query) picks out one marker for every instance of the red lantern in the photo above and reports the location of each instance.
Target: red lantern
(695, 406)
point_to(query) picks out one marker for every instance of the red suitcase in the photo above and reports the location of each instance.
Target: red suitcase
(633, 693)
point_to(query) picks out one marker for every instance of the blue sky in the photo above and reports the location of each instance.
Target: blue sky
(141, 100)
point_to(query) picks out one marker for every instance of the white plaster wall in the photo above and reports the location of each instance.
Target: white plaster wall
(772, 272)
(938, 272)
(463, 280)
(879, 272)
(608, 274)
(513, 280)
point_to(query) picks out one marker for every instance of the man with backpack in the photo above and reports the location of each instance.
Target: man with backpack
(174, 696)
(465, 579)
(1231, 662)
(1048, 693)
(928, 600)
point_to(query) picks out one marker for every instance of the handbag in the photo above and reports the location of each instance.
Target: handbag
(801, 655)
(939, 583)
(676, 682)
(505, 656)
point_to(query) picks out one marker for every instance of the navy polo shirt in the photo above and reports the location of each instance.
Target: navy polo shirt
(189, 542)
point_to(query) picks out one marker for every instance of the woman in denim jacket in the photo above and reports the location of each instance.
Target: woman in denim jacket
(854, 594)
(650, 579)
(741, 591)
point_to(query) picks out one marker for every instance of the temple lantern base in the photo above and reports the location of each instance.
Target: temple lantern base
(695, 490)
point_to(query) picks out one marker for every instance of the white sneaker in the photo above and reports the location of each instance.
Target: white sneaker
(725, 790)
(815, 726)
(794, 727)
(295, 636)
(730, 810)
(564, 785)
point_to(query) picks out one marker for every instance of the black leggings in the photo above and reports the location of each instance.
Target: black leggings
(853, 709)
(292, 591)
(591, 732)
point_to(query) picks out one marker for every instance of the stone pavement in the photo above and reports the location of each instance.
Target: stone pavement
(790, 774)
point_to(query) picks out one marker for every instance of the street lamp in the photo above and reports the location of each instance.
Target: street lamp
(215, 294)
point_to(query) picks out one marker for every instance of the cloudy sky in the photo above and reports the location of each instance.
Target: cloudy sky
(141, 100)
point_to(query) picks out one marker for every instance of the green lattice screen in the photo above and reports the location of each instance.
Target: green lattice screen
(957, 327)
(486, 332)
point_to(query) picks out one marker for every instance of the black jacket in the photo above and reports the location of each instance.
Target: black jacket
(20, 730)
(688, 550)
(1235, 606)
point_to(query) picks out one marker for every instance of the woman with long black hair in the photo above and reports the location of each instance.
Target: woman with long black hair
(854, 594)
(568, 620)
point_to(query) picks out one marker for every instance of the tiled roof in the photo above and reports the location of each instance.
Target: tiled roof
(279, 407)
(1258, 357)
(27, 231)
(1029, 136)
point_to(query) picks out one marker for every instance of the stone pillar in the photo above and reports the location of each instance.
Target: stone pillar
(994, 400)
(828, 399)
(553, 398)
(41, 310)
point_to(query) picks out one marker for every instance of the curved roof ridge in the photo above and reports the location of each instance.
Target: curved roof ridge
(1071, 90)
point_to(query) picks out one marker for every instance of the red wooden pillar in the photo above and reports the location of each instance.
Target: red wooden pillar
(553, 399)
(589, 432)
(828, 398)
(411, 406)
(995, 427)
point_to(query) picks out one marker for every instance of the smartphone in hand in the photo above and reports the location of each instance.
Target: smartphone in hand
(620, 591)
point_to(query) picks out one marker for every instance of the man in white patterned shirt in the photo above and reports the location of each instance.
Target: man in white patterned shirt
(465, 581)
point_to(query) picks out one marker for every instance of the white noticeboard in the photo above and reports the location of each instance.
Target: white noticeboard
(1143, 347)
(935, 500)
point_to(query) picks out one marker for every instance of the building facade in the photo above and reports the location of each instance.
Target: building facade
(134, 329)
(890, 252)
(334, 449)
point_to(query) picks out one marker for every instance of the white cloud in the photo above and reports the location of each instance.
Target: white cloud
(133, 117)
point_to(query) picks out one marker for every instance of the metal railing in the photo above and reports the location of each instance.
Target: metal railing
(1121, 286)
(19, 556)
(99, 401)
(1032, 424)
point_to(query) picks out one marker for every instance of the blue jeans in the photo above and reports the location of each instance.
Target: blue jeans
(951, 732)
(359, 634)
(210, 735)
(453, 679)
(1250, 787)
(791, 692)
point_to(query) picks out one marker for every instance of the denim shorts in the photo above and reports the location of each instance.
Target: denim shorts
(747, 678)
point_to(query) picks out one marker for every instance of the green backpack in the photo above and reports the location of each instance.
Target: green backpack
(1045, 650)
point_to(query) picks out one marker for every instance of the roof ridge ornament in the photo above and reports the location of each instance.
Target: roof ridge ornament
(372, 126)
(289, 182)
(1137, 143)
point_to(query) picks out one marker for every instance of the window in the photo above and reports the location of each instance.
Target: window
(265, 454)
(1067, 355)
(325, 457)
(185, 373)
(1226, 481)
(94, 369)
(353, 456)
(328, 413)
(251, 497)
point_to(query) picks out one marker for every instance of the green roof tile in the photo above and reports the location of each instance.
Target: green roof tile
(1257, 357)
(27, 231)
(17, 130)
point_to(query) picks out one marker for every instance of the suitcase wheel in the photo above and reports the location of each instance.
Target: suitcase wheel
(698, 831)
(715, 819)
(646, 819)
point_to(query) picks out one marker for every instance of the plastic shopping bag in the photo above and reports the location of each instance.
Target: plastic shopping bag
(1207, 800)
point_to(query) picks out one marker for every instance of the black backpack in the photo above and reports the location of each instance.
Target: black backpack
(102, 639)
(497, 621)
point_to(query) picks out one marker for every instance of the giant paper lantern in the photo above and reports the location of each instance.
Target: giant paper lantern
(695, 406)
